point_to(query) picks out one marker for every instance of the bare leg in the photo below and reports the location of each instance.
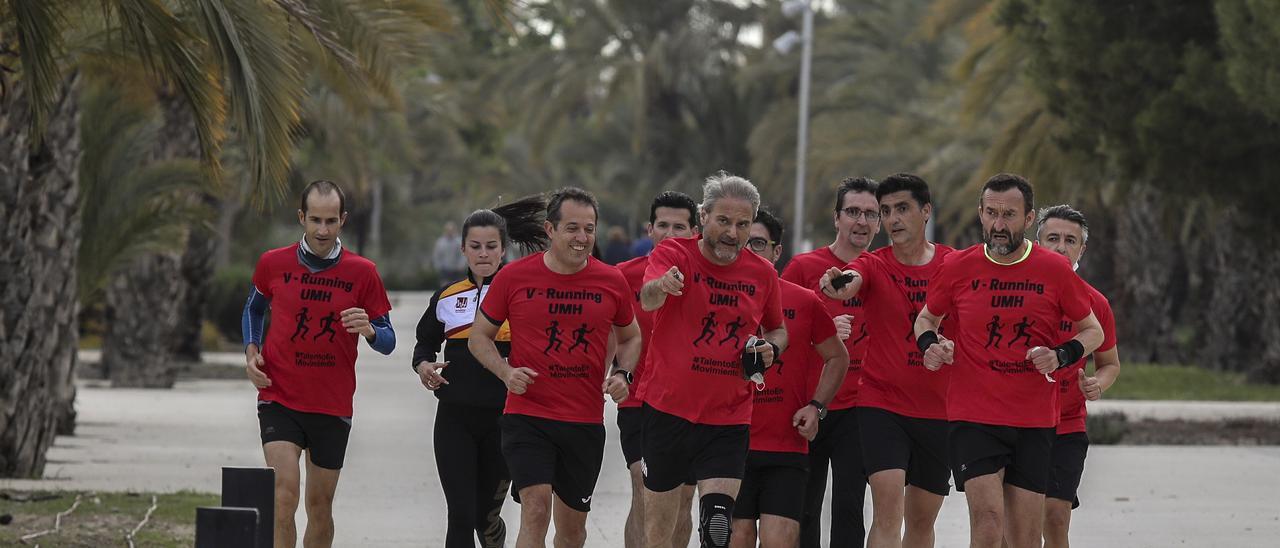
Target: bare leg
(571, 525)
(283, 456)
(535, 516)
(322, 483)
(684, 518)
(1024, 513)
(887, 508)
(985, 495)
(921, 513)
(1057, 522)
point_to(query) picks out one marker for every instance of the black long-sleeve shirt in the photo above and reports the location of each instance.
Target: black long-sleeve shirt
(448, 321)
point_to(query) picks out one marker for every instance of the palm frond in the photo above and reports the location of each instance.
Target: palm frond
(174, 55)
(38, 24)
(261, 69)
(128, 206)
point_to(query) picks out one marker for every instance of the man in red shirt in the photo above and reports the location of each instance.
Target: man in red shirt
(1065, 231)
(786, 412)
(857, 220)
(1001, 402)
(697, 402)
(305, 371)
(671, 215)
(552, 431)
(901, 409)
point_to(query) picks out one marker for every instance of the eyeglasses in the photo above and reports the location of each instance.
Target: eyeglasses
(758, 245)
(853, 213)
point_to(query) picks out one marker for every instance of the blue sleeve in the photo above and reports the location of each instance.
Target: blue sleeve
(384, 337)
(253, 318)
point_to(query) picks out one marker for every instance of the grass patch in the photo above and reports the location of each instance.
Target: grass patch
(1142, 381)
(102, 519)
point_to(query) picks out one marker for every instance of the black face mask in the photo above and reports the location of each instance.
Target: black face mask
(314, 262)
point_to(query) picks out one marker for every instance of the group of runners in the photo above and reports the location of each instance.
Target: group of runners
(909, 368)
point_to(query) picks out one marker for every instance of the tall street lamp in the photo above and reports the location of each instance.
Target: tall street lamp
(784, 43)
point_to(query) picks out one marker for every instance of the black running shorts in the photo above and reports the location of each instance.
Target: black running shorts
(630, 423)
(323, 436)
(896, 442)
(774, 485)
(1069, 451)
(981, 449)
(676, 450)
(565, 455)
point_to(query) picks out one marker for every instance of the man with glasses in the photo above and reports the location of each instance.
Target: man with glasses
(857, 220)
(902, 407)
(786, 411)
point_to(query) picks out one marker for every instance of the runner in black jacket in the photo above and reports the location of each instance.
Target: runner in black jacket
(467, 443)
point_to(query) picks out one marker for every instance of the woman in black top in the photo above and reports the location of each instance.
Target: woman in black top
(468, 448)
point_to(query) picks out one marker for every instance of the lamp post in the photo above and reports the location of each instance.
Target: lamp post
(791, 8)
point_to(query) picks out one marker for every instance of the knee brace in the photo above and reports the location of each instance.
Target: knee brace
(716, 513)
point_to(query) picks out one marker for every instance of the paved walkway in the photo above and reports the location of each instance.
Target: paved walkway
(168, 440)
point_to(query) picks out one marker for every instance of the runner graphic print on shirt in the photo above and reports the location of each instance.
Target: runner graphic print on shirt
(312, 366)
(993, 382)
(695, 352)
(560, 326)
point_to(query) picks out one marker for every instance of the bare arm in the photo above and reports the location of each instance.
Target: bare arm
(942, 351)
(835, 365)
(628, 348)
(480, 343)
(654, 293)
(629, 341)
(1106, 370)
(1089, 333)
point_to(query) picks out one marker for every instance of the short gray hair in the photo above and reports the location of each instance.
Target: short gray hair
(724, 185)
(1066, 213)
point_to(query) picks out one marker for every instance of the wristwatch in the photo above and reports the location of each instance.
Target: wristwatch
(626, 375)
(822, 409)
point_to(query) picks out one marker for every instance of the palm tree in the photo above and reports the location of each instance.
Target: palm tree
(235, 63)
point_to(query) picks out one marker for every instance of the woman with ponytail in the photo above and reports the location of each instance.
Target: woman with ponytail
(468, 447)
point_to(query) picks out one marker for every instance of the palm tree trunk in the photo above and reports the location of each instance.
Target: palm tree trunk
(38, 306)
(155, 305)
(142, 307)
(1147, 267)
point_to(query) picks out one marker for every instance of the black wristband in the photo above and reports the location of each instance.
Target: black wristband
(926, 339)
(777, 352)
(1068, 353)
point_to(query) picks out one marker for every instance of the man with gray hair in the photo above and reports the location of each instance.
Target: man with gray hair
(697, 395)
(1063, 230)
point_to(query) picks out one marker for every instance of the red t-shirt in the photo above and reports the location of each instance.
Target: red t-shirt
(1003, 311)
(309, 356)
(633, 271)
(560, 325)
(1070, 399)
(790, 382)
(805, 270)
(893, 374)
(695, 357)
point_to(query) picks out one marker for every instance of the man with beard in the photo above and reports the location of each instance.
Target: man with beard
(552, 436)
(671, 215)
(1002, 403)
(697, 408)
(1064, 231)
(857, 220)
(902, 408)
